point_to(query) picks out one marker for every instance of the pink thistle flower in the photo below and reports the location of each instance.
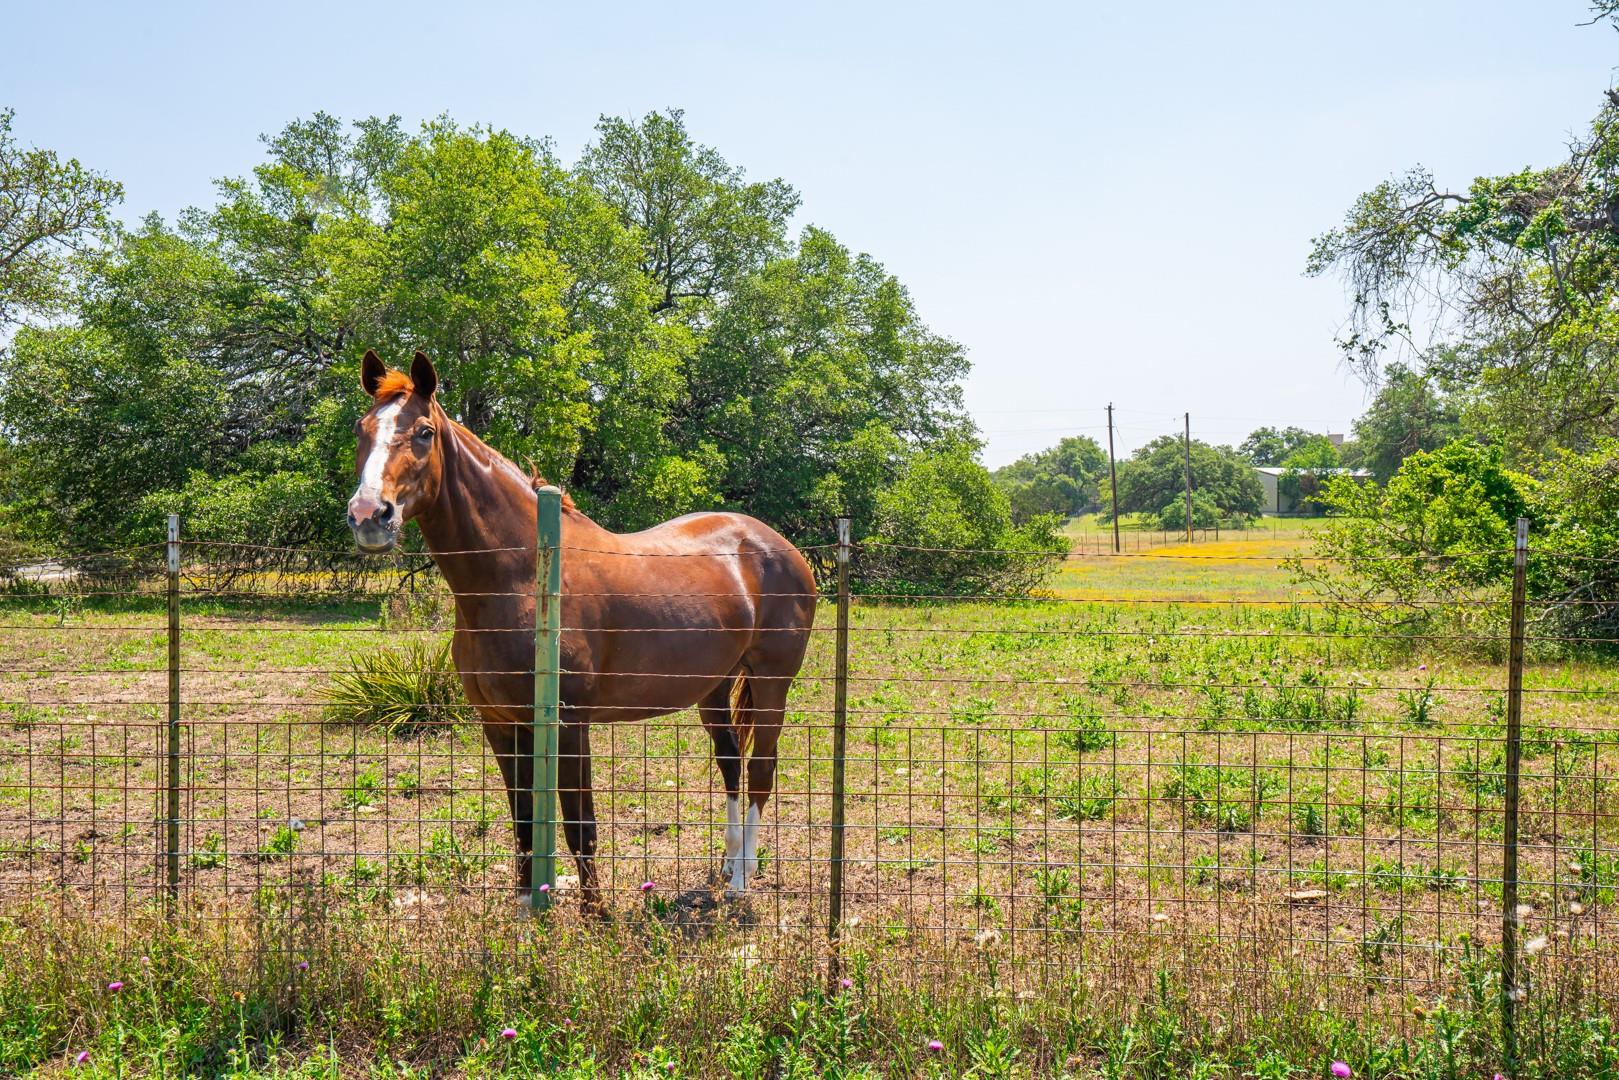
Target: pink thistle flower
(509, 1033)
(114, 987)
(83, 1058)
(846, 983)
(1422, 667)
(545, 886)
(935, 1046)
(303, 965)
(647, 886)
(1340, 1069)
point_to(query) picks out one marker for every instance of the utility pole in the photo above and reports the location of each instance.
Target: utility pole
(1186, 446)
(1113, 478)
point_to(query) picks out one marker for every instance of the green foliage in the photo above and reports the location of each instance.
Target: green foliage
(1307, 467)
(641, 326)
(1154, 477)
(1091, 797)
(234, 1002)
(1408, 415)
(407, 691)
(1227, 798)
(1511, 277)
(1424, 547)
(1087, 729)
(49, 209)
(1270, 446)
(1575, 507)
(1065, 479)
(946, 500)
(1205, 515)
(282, 842)
(701, 226)
(102, 413)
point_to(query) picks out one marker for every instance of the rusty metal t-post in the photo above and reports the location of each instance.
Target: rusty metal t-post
(547, 694)
(171, 834)
(1509, 831)
(840, 717)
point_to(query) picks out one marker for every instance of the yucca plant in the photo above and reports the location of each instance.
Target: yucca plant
(406, 691)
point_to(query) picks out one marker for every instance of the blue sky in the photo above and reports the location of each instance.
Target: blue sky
(1102, 202)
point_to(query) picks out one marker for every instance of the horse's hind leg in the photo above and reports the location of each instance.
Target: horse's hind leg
(765, 703)
(715, 712)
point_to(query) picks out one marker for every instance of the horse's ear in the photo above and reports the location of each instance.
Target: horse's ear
(423, 375)
(371, 372)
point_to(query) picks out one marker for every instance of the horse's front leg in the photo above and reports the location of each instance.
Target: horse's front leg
(513, 745)
(578, 806)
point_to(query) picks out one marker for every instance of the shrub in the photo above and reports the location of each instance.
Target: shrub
(1409, 554)
(1574, 504)
(405, 691)
(1205, 515)
(945, 501)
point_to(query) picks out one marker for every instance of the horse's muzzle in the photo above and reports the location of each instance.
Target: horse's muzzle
(374, 536)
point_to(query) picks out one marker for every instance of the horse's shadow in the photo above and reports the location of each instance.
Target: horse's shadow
(704, 911)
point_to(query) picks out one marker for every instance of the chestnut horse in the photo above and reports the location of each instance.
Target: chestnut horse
(712, 610)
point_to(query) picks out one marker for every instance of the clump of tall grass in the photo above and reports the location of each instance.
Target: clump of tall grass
(406, 691)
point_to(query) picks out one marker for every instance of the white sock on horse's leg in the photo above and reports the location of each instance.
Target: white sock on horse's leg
(748, 864)
(733, 836)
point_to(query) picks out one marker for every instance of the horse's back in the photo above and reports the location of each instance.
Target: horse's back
(721, 543)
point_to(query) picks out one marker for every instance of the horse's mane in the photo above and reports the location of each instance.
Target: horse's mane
(536, 481)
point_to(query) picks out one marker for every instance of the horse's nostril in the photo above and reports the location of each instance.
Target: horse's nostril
(386, 511)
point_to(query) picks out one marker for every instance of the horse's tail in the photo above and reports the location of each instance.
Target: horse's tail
(742, 712)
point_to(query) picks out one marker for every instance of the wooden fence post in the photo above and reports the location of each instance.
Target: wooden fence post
(1509, 832)
(840, 717)
(547, 694)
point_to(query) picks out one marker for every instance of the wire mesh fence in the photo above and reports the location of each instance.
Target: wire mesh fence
(1226, 778)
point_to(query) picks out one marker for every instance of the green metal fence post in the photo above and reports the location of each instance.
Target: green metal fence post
(171, 832)
(547, 693)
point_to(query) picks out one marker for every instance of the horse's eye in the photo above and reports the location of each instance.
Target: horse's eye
(424, 434)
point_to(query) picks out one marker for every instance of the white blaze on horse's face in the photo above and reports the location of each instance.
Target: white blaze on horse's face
(400, 461)
(374, 516)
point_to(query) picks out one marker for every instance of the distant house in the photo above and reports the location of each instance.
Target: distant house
(1278, 501)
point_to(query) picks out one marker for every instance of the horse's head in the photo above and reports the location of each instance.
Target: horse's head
(399, 455)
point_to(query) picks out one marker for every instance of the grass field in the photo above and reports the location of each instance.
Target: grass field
(1173, 816)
